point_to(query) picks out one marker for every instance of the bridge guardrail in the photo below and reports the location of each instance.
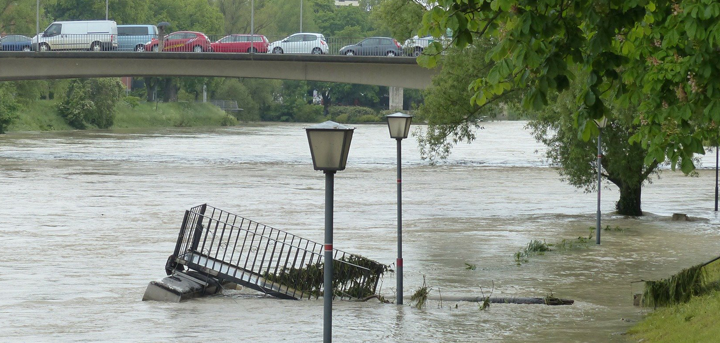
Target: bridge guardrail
(99, 42)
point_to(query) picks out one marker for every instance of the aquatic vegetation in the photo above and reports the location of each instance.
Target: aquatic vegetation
(533, 248)
(420, 296)
(348, 280)
(469, 266)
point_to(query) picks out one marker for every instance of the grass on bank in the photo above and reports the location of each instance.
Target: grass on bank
(692, 321)
(174, 114)
(42, 115)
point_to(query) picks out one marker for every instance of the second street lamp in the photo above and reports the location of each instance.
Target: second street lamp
(399, 126)
(601, 125)
(329, 147)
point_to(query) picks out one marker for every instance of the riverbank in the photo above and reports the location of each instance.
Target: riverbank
(42, 115)
(693, 321)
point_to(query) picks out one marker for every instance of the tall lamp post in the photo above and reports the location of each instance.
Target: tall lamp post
(601, 125)
(106, 9)
(329, 147)
(717, 157)
(399, 125)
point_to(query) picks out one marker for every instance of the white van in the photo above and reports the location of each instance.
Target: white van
(93, 35)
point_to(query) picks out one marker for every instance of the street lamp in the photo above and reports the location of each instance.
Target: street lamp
(329, 147)
(717, 157)
(106, 9)
(601, 125)
(399, 126)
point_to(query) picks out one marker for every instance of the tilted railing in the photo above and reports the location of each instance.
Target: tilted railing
(273, 261)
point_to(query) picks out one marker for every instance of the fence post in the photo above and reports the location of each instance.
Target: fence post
(198, 229)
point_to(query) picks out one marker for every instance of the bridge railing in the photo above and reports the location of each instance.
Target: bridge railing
(242, 250)
(213, 43)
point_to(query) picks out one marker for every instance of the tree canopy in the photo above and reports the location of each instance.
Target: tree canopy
(657, 55)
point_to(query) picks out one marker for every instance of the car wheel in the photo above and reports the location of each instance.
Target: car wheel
(277, 50)
(349, 53)
(417, 52)
(252, 50)
(316, 51)
(197, 48)
(96, 46)
(155, 48)
(26, 48)
(44, 47)
(140, 48)
(391, 54)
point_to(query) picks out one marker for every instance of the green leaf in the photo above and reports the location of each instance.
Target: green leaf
(687, 166)
(589, 98)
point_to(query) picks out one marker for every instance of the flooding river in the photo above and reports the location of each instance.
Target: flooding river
(89, 218)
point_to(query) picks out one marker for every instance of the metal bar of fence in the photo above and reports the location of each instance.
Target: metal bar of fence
(250, 248)
(237, 237)
(181, 235)
(229, 237)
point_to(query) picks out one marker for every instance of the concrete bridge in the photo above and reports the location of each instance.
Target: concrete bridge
(381, 71)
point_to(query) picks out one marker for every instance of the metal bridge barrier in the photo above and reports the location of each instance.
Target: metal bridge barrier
(236, 249)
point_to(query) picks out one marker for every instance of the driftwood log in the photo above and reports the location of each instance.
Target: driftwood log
(506, 300)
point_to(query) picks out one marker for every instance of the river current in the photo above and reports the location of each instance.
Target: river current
(89, 218)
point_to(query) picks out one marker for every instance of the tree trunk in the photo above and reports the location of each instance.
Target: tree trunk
(150, 88)
(629, 203)
(326, 101)
(170, 90)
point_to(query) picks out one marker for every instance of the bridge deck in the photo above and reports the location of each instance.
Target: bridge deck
(380, 71)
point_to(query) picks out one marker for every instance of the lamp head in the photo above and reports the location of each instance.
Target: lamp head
(399, 125)
(601, 123)
(329, 145)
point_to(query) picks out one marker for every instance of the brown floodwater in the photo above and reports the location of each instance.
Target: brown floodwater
(89, 218)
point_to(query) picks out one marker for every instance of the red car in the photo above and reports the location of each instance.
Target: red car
(241, 43)
(185, 41)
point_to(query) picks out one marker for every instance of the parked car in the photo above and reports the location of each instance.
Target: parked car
(241, 43)
(416, 45)
(134, 37)
(374, 46)
(185, 41)
(15, 43)
(94, 35)
(300, 43)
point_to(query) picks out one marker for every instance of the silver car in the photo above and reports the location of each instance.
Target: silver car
(300, 43)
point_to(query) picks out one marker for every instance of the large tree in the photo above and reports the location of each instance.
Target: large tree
(453, 118)
(660, 56)
(8, 105)
(621, 164)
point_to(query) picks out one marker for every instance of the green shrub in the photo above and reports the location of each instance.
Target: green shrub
(229, 120)
(133, 101)
(343, 118)
(368, 118)
(353, 113)
(309, 113)
(91, 102)
(8, 106)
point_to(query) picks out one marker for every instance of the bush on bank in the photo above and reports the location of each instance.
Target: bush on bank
(43, 115)
(91, 102)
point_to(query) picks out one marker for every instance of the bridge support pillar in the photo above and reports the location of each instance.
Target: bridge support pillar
(396, 98)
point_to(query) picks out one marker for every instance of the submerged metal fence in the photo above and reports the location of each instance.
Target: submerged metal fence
(269, 260)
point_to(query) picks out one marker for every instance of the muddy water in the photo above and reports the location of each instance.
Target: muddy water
(88, 219)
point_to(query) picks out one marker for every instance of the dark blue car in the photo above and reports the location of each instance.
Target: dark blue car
(15, 43)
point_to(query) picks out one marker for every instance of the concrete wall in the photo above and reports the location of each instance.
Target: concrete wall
(381, 71)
